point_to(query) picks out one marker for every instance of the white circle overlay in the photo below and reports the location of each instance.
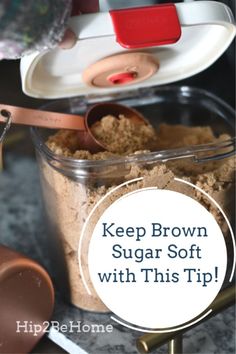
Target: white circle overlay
(157, 258)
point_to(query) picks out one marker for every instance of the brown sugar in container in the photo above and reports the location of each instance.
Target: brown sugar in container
(72, 184)
(122, 56)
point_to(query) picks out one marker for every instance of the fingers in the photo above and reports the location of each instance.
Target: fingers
(69, 40)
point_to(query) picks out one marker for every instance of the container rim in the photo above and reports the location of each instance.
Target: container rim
(163, 155)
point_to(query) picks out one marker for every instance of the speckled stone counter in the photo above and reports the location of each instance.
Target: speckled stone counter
(23, 229)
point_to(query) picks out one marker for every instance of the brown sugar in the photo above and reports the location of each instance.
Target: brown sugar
(123, 136)
(174, 136)
(69, 201)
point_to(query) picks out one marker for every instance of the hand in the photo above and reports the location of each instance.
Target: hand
(78, 7)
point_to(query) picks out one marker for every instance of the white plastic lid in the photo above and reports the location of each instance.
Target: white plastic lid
(207, 29)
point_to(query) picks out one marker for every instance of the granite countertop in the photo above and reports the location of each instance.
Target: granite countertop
(23, 229)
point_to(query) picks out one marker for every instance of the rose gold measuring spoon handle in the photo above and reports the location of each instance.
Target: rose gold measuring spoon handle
(44, 119)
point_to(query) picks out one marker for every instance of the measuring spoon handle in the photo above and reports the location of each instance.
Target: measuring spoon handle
(34, 117)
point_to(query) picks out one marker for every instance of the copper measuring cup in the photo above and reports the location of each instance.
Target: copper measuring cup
(54, 120)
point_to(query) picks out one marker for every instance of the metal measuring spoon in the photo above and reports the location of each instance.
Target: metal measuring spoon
(54, 120)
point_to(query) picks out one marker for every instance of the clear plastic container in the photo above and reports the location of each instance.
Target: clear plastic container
(71, 188)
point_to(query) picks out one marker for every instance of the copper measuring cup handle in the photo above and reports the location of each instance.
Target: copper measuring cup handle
(44, 119)
(52, 120)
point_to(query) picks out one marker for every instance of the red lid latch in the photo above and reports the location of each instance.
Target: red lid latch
(149, 26)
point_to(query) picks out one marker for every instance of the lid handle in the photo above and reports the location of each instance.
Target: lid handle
(148, 26)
